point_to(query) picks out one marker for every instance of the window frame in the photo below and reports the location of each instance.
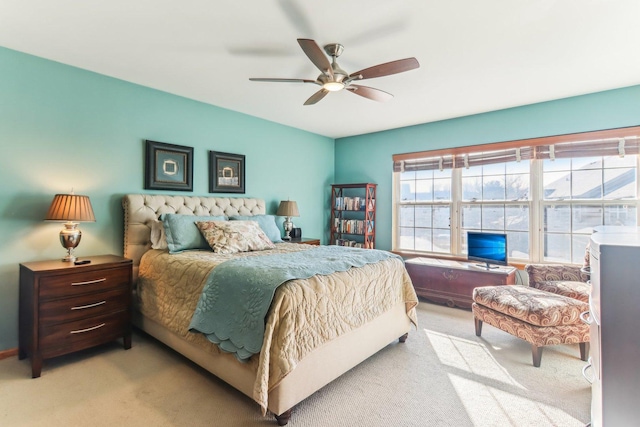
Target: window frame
(542, 147)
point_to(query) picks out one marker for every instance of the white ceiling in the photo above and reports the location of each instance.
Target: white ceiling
(475, 55)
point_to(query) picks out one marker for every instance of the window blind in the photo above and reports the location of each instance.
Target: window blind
(464, 160)
(424, 164)
(595, 148)
(611, 142)
(492, 157)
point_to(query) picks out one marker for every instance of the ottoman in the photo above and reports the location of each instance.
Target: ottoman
(536, 316)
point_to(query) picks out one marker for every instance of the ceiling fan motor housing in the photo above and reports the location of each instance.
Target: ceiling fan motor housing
(334, 49)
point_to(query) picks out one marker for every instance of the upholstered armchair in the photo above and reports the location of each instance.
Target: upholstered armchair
(568, 280)
(547, 312)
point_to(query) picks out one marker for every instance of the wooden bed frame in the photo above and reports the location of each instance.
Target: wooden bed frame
(317, 369)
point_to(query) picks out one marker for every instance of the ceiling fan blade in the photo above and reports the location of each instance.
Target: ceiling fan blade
(316, 97)
(386, 69)
(257, 79)
(297, 17)
(267, 51)
(370, 35)
(315, 54)
(369, 92)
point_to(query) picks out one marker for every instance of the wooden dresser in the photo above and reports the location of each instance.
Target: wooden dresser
(452, 282)
(66, 307)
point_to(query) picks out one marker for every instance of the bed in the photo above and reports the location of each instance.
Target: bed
(313, 331)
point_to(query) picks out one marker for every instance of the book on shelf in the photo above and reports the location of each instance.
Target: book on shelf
(352, 226)
(350, 243)
(353, 203)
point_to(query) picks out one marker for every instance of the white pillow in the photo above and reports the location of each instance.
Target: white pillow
(158, 237)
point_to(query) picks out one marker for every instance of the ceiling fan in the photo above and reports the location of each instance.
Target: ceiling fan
(334, 78)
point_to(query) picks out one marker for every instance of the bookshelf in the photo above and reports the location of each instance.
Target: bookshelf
(353, 215)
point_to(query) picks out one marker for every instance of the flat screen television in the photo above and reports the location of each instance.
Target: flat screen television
(488, 248)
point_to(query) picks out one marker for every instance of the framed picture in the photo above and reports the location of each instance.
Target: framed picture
(168, 167)
(226, 172)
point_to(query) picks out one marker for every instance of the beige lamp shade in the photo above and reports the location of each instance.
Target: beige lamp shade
(288, 208)
(72, 209)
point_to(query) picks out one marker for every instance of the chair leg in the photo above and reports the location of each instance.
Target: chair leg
(478, 324)
(537, 355)
(584, 351)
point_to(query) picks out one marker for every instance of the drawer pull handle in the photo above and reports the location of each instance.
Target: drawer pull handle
(88, 282)
(584, 372)
(82, 307)
(79, 331)
(585, 316)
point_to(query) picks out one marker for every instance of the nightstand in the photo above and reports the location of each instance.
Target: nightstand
(66, 307)
(305, 241)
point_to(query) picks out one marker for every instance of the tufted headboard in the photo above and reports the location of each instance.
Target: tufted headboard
(140, 210)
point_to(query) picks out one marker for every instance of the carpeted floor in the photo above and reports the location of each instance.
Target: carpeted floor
(442, 376)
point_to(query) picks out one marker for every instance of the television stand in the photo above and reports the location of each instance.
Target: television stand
(486, 266)
(451, 282)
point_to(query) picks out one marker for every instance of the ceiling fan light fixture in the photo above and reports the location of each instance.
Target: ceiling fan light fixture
(333, 86)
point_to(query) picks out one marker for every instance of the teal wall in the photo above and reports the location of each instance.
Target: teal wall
(603, 110)
(63, 128)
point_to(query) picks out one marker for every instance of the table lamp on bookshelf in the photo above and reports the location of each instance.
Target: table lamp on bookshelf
(71, 208)
(287, 209)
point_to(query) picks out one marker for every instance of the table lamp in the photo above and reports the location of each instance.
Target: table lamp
(287, 209)
(71, 208)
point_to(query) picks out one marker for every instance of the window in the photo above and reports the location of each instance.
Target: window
(495, 198)
(425, 211)
(546, 194)
(580, 194)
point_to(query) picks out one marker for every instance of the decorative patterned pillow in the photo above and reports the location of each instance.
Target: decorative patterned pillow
(229, 237)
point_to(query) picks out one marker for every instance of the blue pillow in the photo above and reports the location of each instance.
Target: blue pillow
(183, 233)
(267, 224)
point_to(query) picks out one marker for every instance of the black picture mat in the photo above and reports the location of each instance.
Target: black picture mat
(168, 166)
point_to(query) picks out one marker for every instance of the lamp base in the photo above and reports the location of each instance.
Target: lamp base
(69, 239)
(70, 257)
(288, 226)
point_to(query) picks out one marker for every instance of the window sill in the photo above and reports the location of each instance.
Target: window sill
(520, 265)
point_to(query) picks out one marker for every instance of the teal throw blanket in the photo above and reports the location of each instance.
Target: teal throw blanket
(233, 305)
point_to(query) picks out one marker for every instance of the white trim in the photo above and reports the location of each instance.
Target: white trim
(536, 206)
(535, 219)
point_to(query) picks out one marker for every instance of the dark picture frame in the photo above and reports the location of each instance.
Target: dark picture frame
(226, 172)
(168, 167)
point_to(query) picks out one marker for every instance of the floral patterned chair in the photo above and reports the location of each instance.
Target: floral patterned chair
(547, 312)
(568, 280)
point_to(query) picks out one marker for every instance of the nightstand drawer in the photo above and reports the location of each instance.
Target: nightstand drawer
(83, 282)
(94, 304)
(83, 333)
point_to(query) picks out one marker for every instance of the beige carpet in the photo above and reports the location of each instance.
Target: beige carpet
(442, 376)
